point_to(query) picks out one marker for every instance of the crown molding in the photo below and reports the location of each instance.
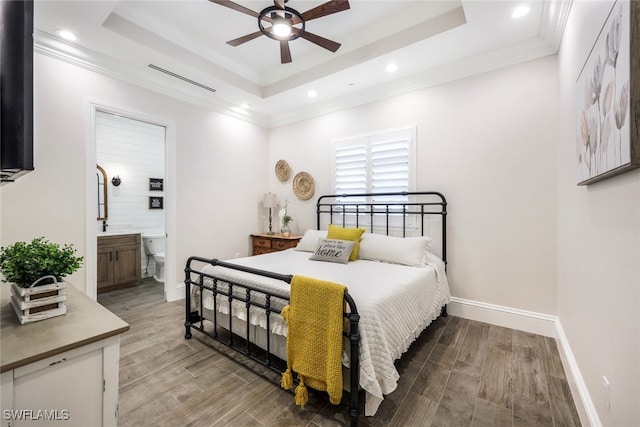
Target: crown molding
(554, 20)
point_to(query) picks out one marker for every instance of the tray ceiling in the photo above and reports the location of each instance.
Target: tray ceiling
(430, 42)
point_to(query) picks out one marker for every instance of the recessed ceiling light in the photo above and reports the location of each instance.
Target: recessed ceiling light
(520, 11)
(312, 93)
(391, 67)
(67, 35)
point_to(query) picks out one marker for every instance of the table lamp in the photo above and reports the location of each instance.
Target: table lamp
(269, 201)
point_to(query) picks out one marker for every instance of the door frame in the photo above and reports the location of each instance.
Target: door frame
(170, 292)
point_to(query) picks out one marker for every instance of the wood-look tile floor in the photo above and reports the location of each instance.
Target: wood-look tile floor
(457, 373)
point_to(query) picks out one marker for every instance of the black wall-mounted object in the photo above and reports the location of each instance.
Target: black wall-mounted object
(16, 89)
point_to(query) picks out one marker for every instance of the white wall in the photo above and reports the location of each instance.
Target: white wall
(598, 249)
(488, 143)
(220, 162)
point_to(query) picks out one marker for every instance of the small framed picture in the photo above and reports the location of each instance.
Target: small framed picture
(156, 184)
(156, 202)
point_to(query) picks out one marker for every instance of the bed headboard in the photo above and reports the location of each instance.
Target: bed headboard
(403, 214)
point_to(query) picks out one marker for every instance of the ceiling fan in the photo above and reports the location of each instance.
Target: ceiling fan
(285, 24)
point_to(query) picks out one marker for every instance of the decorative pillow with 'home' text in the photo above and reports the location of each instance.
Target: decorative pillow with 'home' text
(333, 251)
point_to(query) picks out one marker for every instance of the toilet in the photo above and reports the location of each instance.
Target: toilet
(154, 247)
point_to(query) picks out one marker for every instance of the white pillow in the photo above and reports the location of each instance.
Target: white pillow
(410, 251)
(309, 241)
(333, 250)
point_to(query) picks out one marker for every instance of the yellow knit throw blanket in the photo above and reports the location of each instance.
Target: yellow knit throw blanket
(314, 340)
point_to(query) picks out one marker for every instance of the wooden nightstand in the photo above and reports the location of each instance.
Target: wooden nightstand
(265, 243)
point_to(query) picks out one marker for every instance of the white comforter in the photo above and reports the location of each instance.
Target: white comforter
(395, 303)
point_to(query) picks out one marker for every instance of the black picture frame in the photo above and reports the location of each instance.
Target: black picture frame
(156, 202)
(156, 184)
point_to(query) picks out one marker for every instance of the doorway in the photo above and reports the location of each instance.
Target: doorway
(133, 151)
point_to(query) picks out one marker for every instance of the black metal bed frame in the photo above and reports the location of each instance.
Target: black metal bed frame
(367, 206)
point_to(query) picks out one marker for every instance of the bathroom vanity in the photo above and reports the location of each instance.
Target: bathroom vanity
(119, 261)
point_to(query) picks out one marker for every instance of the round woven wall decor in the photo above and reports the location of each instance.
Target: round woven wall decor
(283, 171)
(303, 186)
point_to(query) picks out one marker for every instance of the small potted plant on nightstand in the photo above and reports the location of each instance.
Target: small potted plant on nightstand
(35, 271)
(285, 219)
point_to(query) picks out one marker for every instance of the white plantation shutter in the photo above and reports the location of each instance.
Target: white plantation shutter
(350, 169)
(390, 166)
(374, 164)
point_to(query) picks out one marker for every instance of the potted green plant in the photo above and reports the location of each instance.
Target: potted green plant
(25, 263)
(285, 219)
(35, 271)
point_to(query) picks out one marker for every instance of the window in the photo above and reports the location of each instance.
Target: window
(378, 163)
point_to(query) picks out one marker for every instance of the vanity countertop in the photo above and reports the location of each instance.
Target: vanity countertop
(117, 233)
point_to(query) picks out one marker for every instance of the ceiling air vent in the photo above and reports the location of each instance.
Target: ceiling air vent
(183, 78)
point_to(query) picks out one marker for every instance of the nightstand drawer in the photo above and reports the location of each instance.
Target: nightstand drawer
(280, 245)
(266, 243)
(259, 251)
(262, 243)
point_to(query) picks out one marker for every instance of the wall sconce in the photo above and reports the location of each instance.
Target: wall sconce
(269, 201)
(116, 180)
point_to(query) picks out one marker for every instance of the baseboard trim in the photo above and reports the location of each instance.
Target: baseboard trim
(582, 398)
(522, 320)
(536, 323)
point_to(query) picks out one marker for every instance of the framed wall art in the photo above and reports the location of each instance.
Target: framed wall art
(608, 105)
(156, 202)
(156, 184)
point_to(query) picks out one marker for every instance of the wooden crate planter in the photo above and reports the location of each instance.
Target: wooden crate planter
(38, 302)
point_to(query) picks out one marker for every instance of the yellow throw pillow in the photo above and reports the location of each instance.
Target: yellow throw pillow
(352, 234)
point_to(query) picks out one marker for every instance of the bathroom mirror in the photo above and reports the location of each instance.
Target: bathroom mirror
(101, 177)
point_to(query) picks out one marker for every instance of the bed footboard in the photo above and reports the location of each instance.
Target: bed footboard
(253, 299)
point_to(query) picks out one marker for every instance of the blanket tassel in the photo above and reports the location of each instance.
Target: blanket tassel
(287, 380)
(302, 396)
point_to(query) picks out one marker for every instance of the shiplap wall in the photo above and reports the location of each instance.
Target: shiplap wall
(135, 151)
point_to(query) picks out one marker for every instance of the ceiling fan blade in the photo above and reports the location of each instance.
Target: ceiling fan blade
(324, 9)
(279, 4)
(321, 41)
(236, 7)
(244, 39)
(285, 52)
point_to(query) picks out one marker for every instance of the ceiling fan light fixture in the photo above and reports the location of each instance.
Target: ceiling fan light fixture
(281, 28)
(284, 24)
